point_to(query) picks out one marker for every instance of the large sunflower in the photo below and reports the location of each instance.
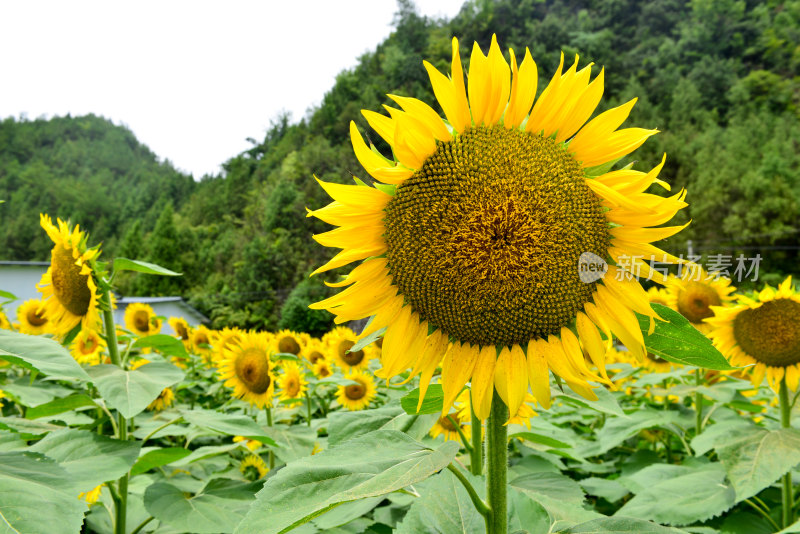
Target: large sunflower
(141, 319)
(357, 396)
(246, 367)
(32, 318)
(476, 232)
(68, 287)
(762, 332)
(695, 292)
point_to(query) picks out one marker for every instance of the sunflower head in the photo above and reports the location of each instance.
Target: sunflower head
(315, 351)
(340, 341)
(31, 317)
(181, 328)
(291, 383)
(289, 342)
(68, 288)
(4, 322)
(253, 467)
(695, 292)
(472, 248)
(141, 319)
(246, 367)
(762, 332)
(163, 401)
(322, 369)
(358, 395)
(224, 338)
(202, 340)
(88, 347)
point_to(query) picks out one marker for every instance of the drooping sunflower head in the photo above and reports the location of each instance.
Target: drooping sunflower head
(181, 328)
(291, 383)
(448, 426)
(68, 288)
(202, 341)
(695, 292)
(358, 395)
(163, 401)
(493, 238)
(88, 347)
(141, 319)
(340, 341)
(253, 467)
(762, 332)
(289, 342)
(31, 317)
(246, 367)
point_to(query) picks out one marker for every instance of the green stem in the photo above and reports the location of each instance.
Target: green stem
(476, 454)
(480, 505)
(787, 493)
(497, 466)
(461, 435)
(308, 404)
(162, 427)
(142, 525)
(763, 513)
(269, 424)
(698, 404)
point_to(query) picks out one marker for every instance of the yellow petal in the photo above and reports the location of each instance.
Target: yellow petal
(483, 381)
(538, 372)
(511, 378)
(435, 347)
(479, 85)
(523, 90)
(546, 101)
(459, 361)
(355, 195)
(425, 114)
(593, 343)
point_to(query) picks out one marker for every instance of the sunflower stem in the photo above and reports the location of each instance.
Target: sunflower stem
(698, 404)
(476, 454)
(787, 493)
(479, 503)
(497, 466)
(269, 424)
(464, 440)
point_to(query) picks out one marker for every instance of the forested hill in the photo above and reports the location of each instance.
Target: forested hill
(84, 168)
(719, 78)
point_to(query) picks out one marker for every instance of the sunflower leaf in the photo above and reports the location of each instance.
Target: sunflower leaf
(58, 406)
(8, 296)
(376, 463)
(677, 341)
(129, 392)
(434, 399)
(621, 525)
(124, 264)
(370, 339)
(167, 345)
(157, 458)
(229, 424)
(40, 354)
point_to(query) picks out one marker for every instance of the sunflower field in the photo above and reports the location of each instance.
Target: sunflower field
(513, 376)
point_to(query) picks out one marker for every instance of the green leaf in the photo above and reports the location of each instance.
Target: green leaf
(369, 340)
(618, 429)
(444, 507)
(621, 525)
(343, 426)
(610, 490)
(124, 264)
(295, 441)
(561, 496)
(540, 439)
(757, 457)
(526, 515)
(37, 496)
(676, 340)
(34, 393)
(345, 513)
(130, 392)
(376, 463)
(58, 406)
(168, 345)
(693, 497)
(228, 424)
(433, 402)
(89, 458)
(719, 433)
(157, 458)
(216, 509)
(285, 356)
(208, 451)
(40, 354)
(24, 426)
(606, 401)
(6, 295)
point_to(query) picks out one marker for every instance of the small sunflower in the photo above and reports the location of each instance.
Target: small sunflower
(322, 369)
(246, 367)
(4, 323)
(476, 234)
(445, 426)
(181, 328)
(253, 467)
(202, 341)
(288, 342)
(340, 340)
(252, 444)
(659, 295)
(141, 319)
(315, 351)
(762, 332)
(68, 287)
(291, 383)
(163, 401)
(31, 317)
(88, 347)
(357, 396)
(695, 292)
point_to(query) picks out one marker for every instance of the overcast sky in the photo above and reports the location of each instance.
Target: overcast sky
(191, 79)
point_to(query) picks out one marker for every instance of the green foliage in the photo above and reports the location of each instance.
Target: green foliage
(296, 315)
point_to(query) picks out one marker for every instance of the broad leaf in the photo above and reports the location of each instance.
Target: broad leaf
(59, 406)
(157, 458)
(610, 490)
(540, 439)
(124, 264)
(444, 507)
(605, 403)
(343, 426)
(40, 354)
(369, 340)
(216, 509)
(433, 402)
(719, 433)
(89, 458)
(130, 392)
(618, 429)
(295, 441)
(758, 457)
(228, 424)
(376, 463)
(561, 496)
(5, 294)
(676, 340)
(26, 426)
(621, 525)
(168, 345)
(345, 513)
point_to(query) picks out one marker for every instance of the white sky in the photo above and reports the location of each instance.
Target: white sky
(191, 79)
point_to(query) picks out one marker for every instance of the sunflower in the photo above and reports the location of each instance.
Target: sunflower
(659, 295)
(88, 347)
(315, 351)
(476, 233)
(246, 368)
(31, 317)
(163, 401)
(182, 329)
(251, 444)
(253, 467)
(201, 342)
(68, 287)
(322, 369)
(762, 332)
(357, 396)
(695, 291)
(340, 340)
(291, 383)
(446, 425)
(141, 319)
(4, 323)
(288, 342)
(223, 338)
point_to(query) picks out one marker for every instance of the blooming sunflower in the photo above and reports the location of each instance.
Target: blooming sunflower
(315, 351)
(659, 295)
(253, 467)
(182, 329)
(291, 383)
(763, 332)
(695, 292)
(322, 369)
(357, 396)
(340, 340)
(288, 342)
(201, 341)
(141, 319)
(476, 232)
(31, 317)
(444, 426)
(163, 401)
(4, 323)
(88, 347)
(68, 287)
(223, 338)
(246, 368)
